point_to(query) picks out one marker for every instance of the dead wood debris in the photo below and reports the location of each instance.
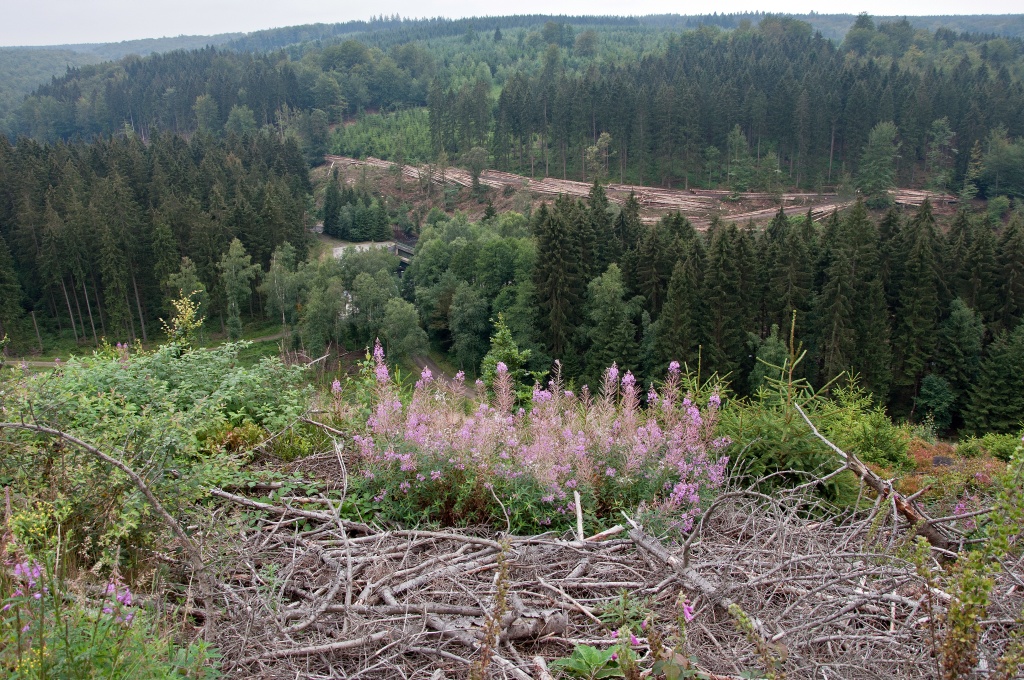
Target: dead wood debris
(307, 595)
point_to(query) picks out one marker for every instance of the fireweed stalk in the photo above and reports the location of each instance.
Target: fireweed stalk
(605, 446)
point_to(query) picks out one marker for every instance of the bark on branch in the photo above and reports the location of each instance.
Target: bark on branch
(922, 524)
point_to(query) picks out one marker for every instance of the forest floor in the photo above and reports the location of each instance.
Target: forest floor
(508, 191)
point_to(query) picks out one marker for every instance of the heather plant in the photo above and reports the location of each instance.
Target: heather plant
(427, 458)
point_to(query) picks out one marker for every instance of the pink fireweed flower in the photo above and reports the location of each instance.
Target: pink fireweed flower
(336, 387)
(673, 367)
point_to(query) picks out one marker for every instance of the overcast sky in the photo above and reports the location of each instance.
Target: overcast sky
(53, 22)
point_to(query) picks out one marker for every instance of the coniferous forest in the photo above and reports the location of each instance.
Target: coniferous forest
(190, 150)
(533, 347)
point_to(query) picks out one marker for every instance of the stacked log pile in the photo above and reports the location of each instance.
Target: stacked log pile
(698, 204)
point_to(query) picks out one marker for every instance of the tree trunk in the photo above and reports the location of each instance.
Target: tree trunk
(74, 326)
(831, 152)
(78, 306)
(88, 307)
(138, 305)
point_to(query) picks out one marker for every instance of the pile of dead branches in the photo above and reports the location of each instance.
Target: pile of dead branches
(308, 594)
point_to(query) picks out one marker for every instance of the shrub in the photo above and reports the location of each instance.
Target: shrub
(773, 438)
(993, 444)
(165, 412)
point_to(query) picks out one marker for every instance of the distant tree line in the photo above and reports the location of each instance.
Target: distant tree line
(725, 107)
(95, 238)
(929, 323)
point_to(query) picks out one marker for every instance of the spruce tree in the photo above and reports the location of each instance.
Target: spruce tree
(958, 245)
(681, 329)
(653, 267)
(601, 227)
(872, 358)
(979, 273)
(996, 399)
(1011, 263)
(837, 337)
(556, 281)
(789, 275)
(771, 354)
(958, 359)
(876, 176)
(610, 326)
(727, 307)
(581, 230)
(628, 225)
(10, 292)
(917, 306)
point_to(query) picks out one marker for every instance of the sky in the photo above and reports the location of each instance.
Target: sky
(55, 22)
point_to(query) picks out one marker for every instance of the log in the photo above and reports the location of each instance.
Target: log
(923, 525)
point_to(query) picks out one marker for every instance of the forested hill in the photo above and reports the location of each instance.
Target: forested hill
(679, 107)
(92, 232)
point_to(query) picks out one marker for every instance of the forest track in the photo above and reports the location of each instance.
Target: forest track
(700, 206)
(43, 363)
(425, 361)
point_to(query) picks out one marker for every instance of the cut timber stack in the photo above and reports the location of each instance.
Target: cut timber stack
(916, 197)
